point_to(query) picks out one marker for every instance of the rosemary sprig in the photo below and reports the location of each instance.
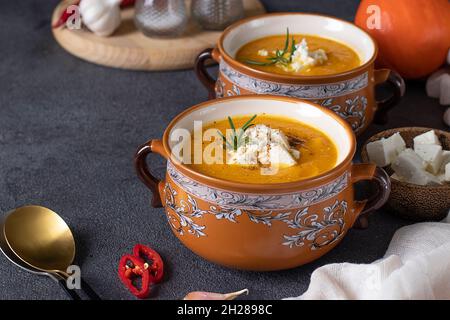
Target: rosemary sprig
(225, 139)
(280, 55)
(236, 139)
(293, 49)
(246, 125)
(234, 136)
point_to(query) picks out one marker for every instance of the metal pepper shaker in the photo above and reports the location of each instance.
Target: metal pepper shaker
(217, 14)
(161, 18)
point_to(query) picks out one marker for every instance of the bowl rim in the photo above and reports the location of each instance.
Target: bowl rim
(275, 188)
(278, 77)
(381, 135)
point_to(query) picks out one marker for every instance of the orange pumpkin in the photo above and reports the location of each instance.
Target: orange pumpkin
(413, 35)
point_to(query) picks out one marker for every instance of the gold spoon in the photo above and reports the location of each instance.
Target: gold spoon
(16, 260)
(42, 242)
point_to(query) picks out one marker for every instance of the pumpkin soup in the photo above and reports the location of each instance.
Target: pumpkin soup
(261, 143)
(303, 55)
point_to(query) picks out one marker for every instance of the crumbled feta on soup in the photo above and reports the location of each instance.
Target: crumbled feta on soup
(263, 53)
(264, 146)
(303, 58)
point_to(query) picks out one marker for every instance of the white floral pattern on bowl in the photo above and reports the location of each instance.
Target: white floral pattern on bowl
(254, 201)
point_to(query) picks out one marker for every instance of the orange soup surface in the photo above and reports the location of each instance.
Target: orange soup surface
(341, 58)
(318, 153)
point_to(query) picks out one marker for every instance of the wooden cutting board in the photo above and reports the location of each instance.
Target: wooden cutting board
(128, 48)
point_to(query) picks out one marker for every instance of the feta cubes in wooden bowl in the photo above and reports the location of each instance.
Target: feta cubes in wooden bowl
(418, 161)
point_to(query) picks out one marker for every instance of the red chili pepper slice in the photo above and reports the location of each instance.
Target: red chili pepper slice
(127, 3)
(65, 15)
(131, 268)
(153, 259)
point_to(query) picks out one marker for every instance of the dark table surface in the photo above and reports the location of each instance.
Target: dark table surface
(68, 132)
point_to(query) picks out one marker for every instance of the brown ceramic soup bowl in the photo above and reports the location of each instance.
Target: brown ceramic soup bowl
(350, 94)
(262, 226)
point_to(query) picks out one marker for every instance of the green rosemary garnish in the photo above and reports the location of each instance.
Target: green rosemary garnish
(236, 138)
(280, 55)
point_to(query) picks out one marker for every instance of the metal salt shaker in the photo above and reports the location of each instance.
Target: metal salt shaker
(161, 18)
(217, 14)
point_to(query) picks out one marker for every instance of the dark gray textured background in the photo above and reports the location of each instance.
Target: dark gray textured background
(68, 132)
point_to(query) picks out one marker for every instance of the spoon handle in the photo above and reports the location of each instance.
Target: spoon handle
(89, 291)
(70, 293)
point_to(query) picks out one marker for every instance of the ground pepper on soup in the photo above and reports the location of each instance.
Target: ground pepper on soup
(302, 55)
(300, 151)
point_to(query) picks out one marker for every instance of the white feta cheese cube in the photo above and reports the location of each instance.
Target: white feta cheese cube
(429, 137)
(380, 153)
(408, 163)
(445, 159)
(447, 172)
(383, 152)
(423, 178)
(398, 142)
(432, 154)
(411, 167)
(397, 177)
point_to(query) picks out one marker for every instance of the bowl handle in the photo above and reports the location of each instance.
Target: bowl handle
(202, 74)
(368, 171)
(143, 172)
(398, 87)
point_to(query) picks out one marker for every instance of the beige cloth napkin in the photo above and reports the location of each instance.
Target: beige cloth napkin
(415, 266)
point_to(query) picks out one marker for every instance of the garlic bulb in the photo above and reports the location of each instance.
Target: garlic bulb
(447, 117)
(200, 295)
(438, 86)
(101, 16)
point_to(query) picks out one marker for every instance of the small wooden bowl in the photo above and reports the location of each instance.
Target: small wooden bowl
(410, 201)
